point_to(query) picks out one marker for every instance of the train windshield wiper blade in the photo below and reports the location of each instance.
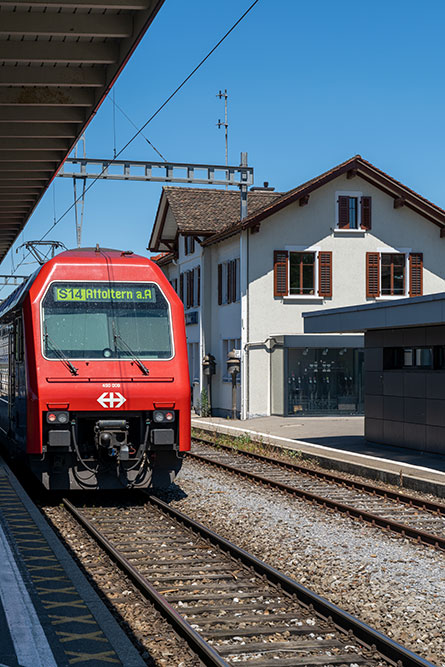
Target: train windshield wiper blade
(118, 339)
(62, 356)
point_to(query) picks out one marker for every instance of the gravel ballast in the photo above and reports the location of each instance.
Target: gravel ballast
(157, 642)
(389, 582)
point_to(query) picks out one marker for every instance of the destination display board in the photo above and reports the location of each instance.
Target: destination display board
(104, 292)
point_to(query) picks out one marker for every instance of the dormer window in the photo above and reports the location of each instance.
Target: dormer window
(353, 211)
(189, 245)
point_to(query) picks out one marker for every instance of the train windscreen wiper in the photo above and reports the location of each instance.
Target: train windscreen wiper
(61, 355)
(118, 339)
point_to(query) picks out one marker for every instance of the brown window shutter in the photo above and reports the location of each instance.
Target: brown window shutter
(192, 288)
(229, 282)
(416, 274)
(280, 282)
(372, 274)
(234, 282)
(343, 212)
(366, 213)
(199, 286)
(325, 273)
(219, 284)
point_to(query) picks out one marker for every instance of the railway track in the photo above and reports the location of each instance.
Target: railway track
(232, 608)
(418, 519)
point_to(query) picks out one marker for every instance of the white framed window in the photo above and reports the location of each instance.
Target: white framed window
(302, 272)
(394, 273)
(229, 344)
(352, 211)
(189, 245)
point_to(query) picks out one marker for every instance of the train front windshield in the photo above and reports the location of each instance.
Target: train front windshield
(106, 321)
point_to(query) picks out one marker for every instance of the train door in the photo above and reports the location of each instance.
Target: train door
(11, 373)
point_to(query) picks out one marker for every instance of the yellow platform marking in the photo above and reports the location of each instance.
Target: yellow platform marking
(38, 577)
(42, 559)
(77, 604)
(45, 567)
(74, 636)
(67, 591)
(106, 656)
(88, 618)
(39, 540)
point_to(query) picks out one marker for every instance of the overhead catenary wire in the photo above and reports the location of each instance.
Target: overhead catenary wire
(136, 127)
(147, 122)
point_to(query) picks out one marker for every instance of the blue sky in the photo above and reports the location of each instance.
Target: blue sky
(310, 85)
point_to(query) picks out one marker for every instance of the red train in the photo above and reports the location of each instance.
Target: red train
(94, 390)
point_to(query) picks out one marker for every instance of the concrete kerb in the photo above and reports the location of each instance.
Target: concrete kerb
(400, 474)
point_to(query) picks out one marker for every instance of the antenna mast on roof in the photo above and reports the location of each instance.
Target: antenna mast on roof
(225, 125)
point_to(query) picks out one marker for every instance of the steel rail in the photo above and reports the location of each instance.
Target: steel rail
(388, 648)
(416, 534)
(205, 652)
(345, 622)
(331, 477)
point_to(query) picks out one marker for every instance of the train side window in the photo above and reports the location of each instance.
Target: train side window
(18, 335)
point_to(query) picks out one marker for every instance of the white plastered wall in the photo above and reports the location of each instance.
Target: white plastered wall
(223, 321)
(312, 226)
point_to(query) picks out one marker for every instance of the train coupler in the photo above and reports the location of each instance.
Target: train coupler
(111, 436)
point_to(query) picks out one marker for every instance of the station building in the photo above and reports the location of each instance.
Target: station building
(404, 380)
(352, 235)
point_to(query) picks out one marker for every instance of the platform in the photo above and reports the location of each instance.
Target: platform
(339, 443)
(49, 613)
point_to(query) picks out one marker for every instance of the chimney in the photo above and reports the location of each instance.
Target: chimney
(262, 188)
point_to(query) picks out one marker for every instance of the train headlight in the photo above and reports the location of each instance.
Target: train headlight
(160, 416)
(57, 417)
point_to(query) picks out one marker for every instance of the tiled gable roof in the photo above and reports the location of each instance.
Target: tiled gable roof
(216, 213)
(354, 166)
(201, 211)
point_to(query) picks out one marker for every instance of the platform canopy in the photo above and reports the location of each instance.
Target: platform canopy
(58, 60)
(419, 311)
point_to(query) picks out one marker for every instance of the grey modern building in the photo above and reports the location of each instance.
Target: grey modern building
(404, 378)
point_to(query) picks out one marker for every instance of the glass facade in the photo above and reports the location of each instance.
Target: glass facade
(324, 381)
